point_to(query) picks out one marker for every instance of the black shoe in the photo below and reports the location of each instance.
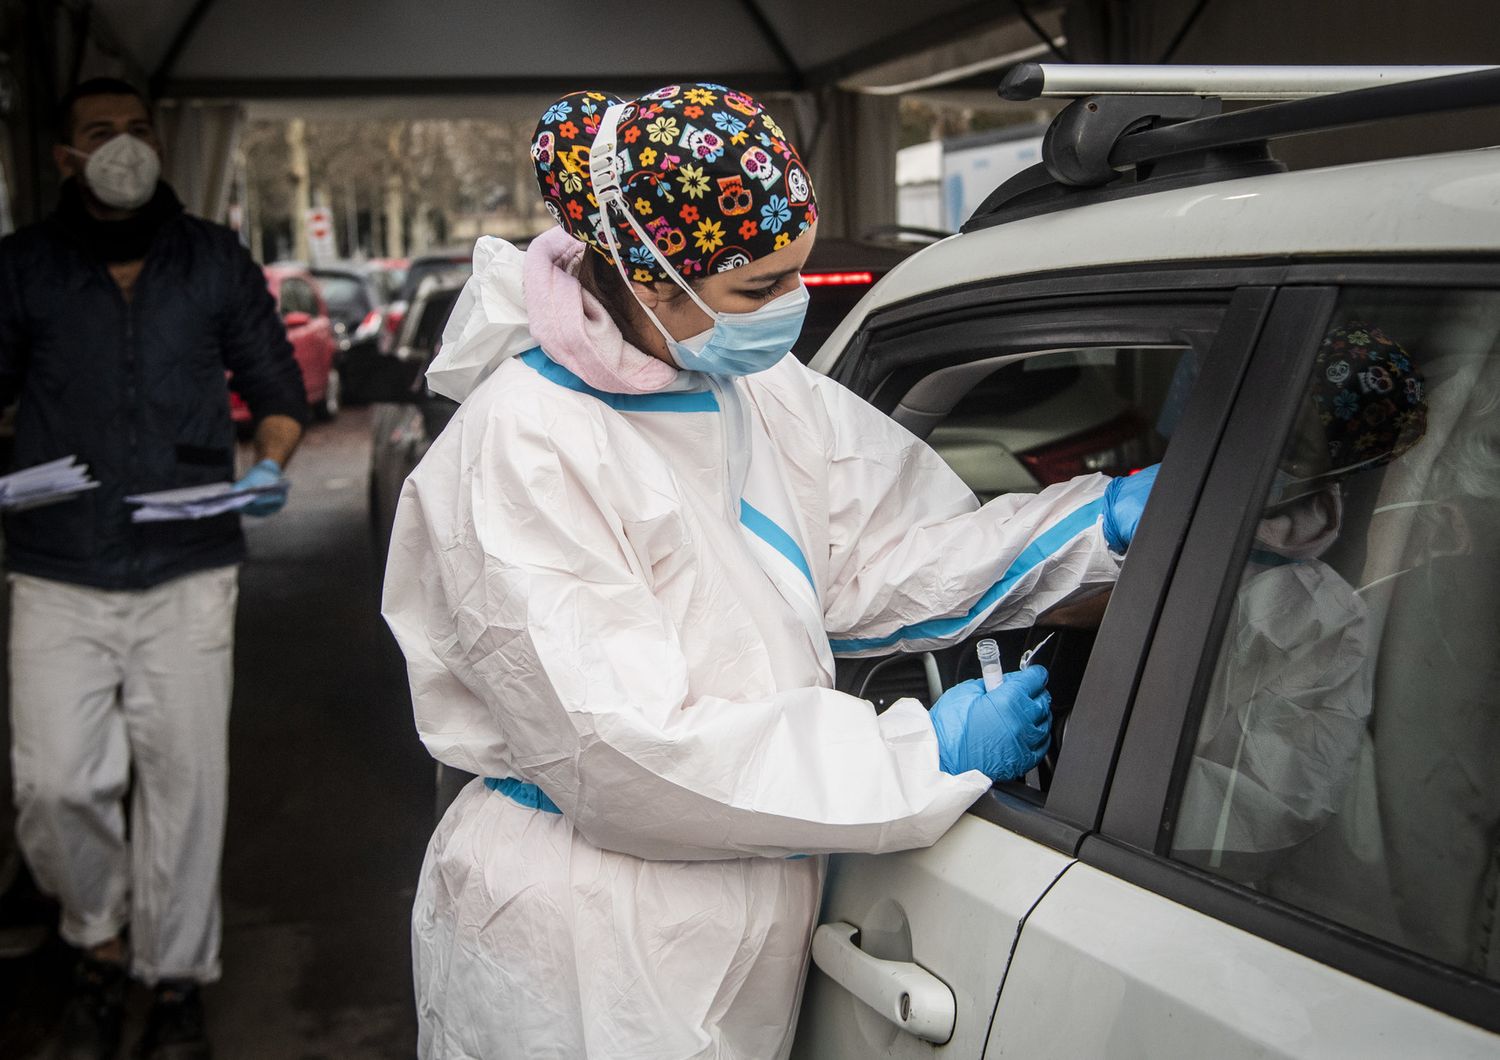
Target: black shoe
(175, 1030)
(26, 916)
(94, 1012)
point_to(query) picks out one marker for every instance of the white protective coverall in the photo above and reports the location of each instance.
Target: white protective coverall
(1288, 711)
(626, 607)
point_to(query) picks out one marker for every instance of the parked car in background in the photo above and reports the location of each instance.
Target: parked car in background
(406, 416)
(840, 272)
(453, 266)
(350, 294)
(354, 301)
(374, 339)
(1269, 820)
(311, 334)
(387, 274)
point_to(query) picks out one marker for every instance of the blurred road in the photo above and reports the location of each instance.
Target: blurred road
(330, 801)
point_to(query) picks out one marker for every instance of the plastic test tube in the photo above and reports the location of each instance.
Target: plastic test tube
(989, 664)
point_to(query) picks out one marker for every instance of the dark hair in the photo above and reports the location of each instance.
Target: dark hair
(602, 280)
(94, 86)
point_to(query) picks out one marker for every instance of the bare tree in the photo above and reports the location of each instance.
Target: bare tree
(425, 178)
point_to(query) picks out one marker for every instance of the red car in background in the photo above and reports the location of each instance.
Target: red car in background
(310, 331)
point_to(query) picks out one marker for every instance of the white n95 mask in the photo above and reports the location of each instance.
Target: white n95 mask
(123, 172)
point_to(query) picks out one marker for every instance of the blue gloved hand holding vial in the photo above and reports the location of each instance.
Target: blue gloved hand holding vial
(1002, 732)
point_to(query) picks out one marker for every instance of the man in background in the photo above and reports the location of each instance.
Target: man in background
(119, 317)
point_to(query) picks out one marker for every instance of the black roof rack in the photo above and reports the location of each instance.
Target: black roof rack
(1102, 148)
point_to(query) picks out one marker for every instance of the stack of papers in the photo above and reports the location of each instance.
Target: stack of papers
(56, 480)
(196, 502)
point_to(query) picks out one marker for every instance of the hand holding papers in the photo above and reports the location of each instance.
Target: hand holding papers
(56, 480)
(199, 502)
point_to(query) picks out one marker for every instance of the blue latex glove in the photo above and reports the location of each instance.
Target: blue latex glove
(1003, 733)
(265, 473)
(1124, 501)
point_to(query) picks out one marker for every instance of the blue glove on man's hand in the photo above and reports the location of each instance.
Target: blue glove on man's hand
(1124, 501)
(1003, 733)
(265, 473)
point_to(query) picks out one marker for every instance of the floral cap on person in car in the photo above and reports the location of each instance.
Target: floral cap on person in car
(1371, 399)
(1367, 406)
(709, 174)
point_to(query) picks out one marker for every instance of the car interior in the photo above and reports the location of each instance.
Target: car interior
(1019, 422)
(1408, 847)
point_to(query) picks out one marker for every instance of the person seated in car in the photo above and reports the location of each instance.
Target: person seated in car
(1290, 702)
(1422, 855)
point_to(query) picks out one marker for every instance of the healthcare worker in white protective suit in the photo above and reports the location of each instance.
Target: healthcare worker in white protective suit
(620, 578)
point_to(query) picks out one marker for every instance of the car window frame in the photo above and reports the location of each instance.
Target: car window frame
(1134, 838)
(1083, 306)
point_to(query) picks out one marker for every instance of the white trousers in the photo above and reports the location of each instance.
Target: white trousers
(103, 682)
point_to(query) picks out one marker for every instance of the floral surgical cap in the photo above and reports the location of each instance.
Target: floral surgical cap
(1370, 398)
(707, 173)
(1366, 406)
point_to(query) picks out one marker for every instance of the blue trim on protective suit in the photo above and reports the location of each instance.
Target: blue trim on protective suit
(518, 791)
(1034, 554)
(764, 528)
(676, 401)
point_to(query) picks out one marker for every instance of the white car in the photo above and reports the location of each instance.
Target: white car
(1270, 822)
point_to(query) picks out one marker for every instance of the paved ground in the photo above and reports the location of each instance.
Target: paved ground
(330, 797)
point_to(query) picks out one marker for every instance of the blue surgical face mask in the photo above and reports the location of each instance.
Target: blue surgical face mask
(738, 343)
(743, 343)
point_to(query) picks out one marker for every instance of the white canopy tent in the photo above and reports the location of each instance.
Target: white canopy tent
(834, 67)
(261, 48)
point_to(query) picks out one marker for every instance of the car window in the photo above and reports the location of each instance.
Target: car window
(345, 295)
(297, 297)
(388, 282)
(1015, 397)
(1347, 756)
(1056, 415)
(1043, 420)
(421, 269)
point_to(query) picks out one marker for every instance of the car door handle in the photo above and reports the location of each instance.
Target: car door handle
(906, 994)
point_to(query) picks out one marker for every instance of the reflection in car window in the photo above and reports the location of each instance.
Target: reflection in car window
(1347, 760)
(1060, 414)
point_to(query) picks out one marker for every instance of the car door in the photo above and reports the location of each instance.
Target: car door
(1044, 379)
(407, 416)
(323, 346)
(299, 312)
(1300, 849)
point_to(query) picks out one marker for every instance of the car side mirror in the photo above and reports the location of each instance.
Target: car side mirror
(297, 319)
